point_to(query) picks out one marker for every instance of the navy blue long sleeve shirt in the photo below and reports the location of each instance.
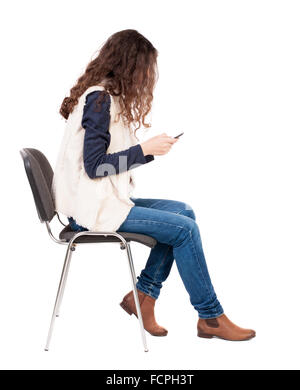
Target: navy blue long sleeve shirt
(97, 139)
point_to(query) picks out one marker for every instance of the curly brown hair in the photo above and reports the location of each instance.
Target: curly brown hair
(127, 65)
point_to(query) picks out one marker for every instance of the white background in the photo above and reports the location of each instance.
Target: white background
(229, 78)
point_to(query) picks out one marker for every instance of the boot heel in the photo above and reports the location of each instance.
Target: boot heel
(205, 335)
(126, 308)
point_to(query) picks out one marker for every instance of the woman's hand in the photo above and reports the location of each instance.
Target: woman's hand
(159, 145)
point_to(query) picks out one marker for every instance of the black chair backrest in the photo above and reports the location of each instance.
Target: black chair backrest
(40, 175)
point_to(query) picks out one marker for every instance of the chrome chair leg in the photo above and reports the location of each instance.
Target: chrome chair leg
(64, 283)
(135, 294)
(59, 292)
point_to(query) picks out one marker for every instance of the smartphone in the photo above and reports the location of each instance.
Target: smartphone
(179, 135)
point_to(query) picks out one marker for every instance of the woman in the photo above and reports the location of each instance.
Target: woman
(93, 180)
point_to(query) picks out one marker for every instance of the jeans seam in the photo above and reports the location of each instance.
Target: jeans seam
(195, 252)
(160, 265)
(147, 292)
(157, 223)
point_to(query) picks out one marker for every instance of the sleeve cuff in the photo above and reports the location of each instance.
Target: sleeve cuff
(140, 155)
(149, 158)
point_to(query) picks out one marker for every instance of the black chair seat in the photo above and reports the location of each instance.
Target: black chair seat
(67, 233)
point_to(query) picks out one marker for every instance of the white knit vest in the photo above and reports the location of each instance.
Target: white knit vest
(99, 204)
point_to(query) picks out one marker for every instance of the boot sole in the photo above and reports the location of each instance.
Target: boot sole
(210, 336)
(130, 312)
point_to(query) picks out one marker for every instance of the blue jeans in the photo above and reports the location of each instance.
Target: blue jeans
(173, 225)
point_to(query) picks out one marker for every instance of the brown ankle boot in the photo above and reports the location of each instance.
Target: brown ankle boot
(223, 328)
(147, 309)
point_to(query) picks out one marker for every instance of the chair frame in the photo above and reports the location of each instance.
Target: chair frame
(71, 246)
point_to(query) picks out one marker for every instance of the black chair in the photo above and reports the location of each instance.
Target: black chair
(40, 175)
